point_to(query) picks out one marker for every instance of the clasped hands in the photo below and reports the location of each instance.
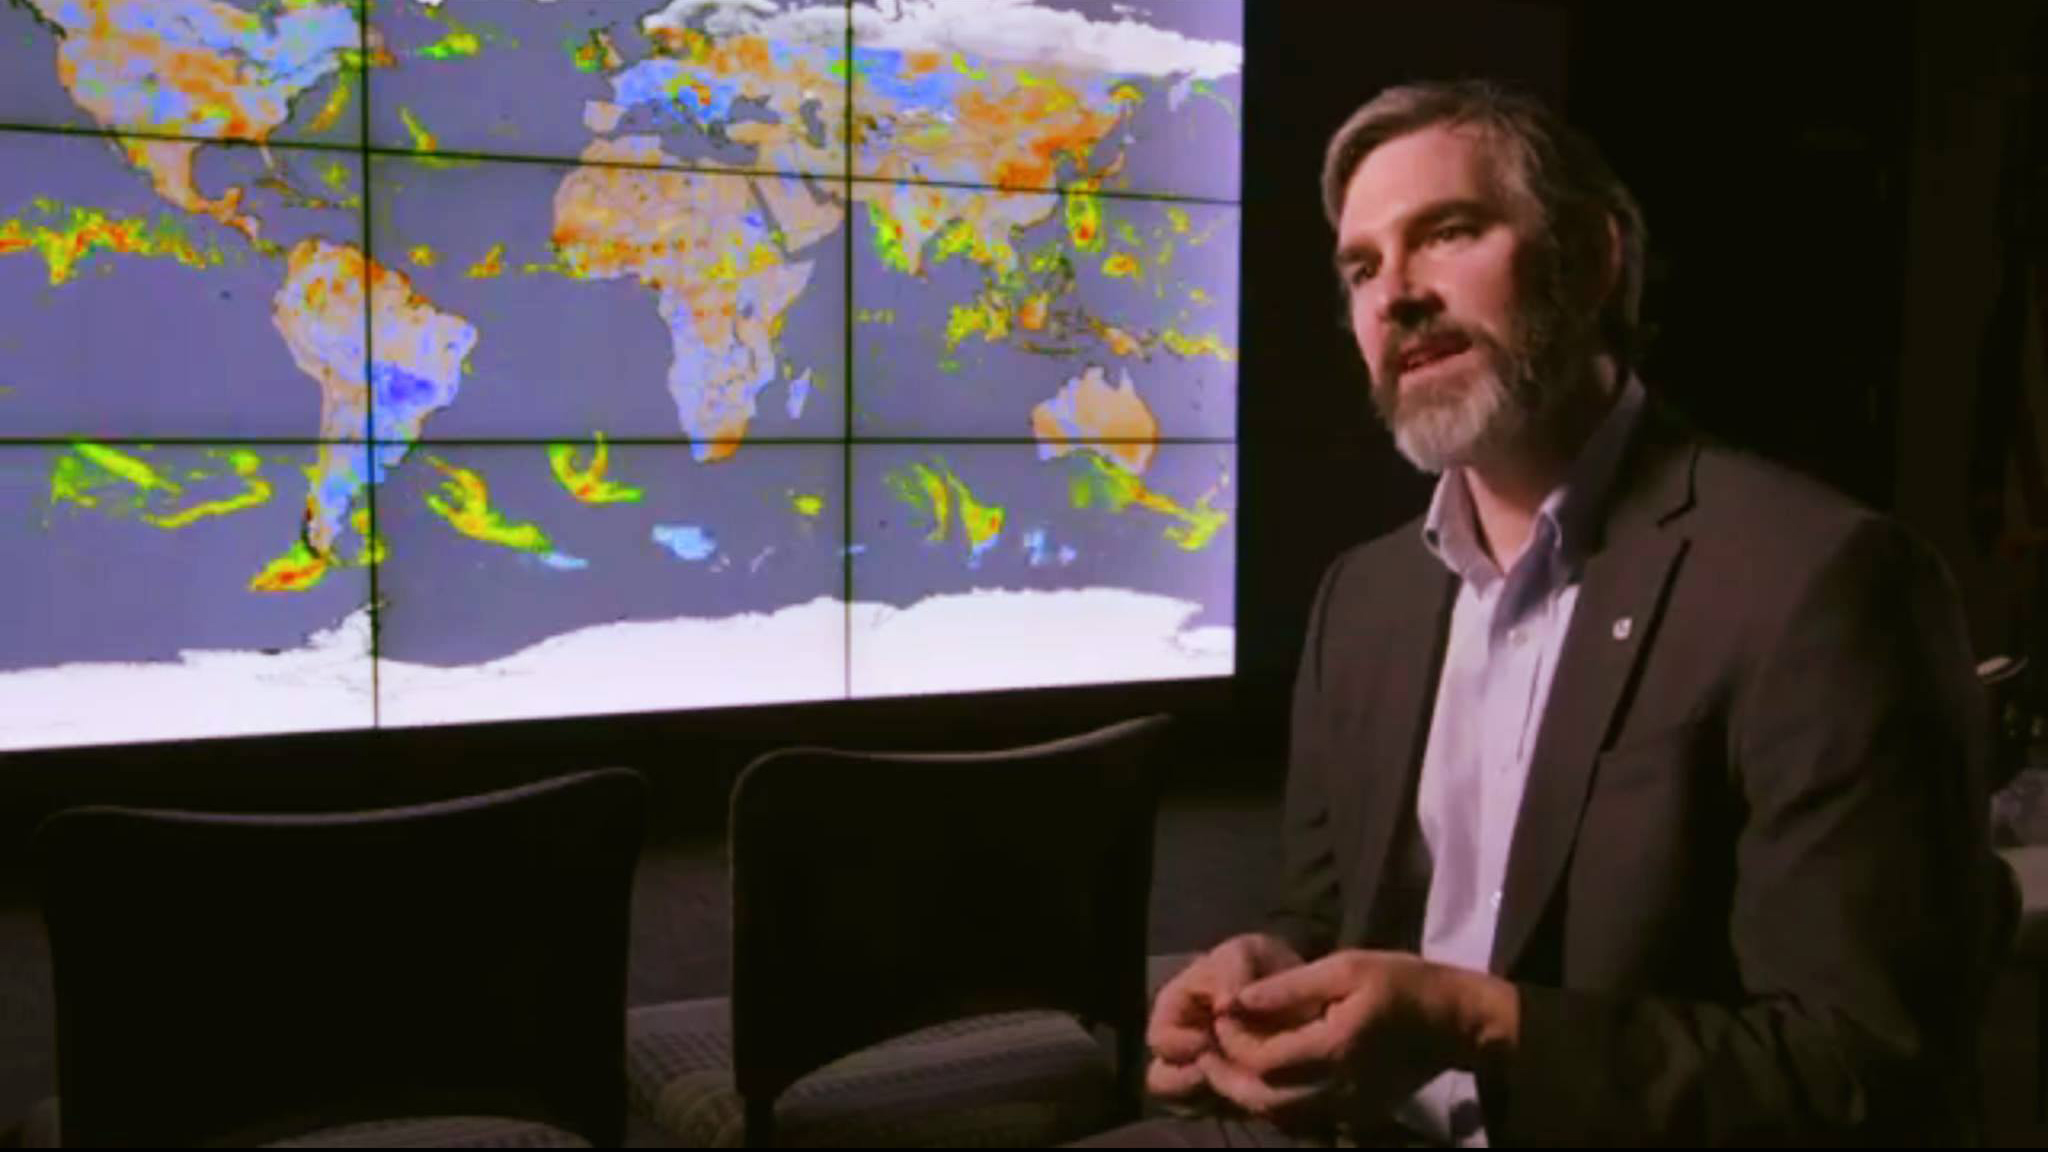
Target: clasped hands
(1347, 1036)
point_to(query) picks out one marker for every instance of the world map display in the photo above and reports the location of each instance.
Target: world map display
(412, 363)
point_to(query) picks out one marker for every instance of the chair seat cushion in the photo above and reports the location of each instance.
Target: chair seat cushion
(439, 1132)
(42, 1128)
(1005, 1080)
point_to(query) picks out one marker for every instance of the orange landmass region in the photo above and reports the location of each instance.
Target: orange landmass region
(168, 164)
(722, 282)
(190, 71)
(320, 312)
(1009, 129)
(1089, 409)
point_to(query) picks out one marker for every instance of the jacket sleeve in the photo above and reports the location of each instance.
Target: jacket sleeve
(1862, 898)
(1308, 911)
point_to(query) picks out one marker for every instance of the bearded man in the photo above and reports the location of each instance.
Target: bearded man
(1635, 789)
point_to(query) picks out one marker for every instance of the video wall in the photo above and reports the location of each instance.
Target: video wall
(412, 362)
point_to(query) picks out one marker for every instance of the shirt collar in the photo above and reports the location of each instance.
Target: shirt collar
(1567, 518)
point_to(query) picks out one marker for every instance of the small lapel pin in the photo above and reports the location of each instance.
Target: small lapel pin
(1623, 627)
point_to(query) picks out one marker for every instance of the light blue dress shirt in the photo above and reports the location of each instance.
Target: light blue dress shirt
(1507, 630)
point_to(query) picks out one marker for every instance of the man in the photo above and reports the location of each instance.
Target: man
(1634, 790)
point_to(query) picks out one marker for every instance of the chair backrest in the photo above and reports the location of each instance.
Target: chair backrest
(233, 979)
(876, 893)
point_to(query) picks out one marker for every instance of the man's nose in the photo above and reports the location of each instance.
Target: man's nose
(1410, 308)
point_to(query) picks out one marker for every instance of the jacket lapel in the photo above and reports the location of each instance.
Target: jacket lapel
(1625, 578)
(1396, 726)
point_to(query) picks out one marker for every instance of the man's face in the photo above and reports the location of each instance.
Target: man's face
(1450, 296)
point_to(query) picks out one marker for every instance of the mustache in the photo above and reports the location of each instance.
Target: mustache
(1389, 367)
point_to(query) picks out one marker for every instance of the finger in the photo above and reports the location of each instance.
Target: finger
(1253, 1094)
(1203, 981)
(1170, 1081)
(1179, 1025)
(1201, 989)
(1178, 1044)
(1330, 978)
(1271, 955)
(1222, 999)
(1180, 1004)
(1230, 969)
(1270, 1052)
(1293, 1015)
(1236, 1036)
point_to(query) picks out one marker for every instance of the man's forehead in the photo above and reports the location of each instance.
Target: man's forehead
(1415, 172)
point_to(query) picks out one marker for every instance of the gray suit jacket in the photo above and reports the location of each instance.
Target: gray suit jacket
(1749, 896)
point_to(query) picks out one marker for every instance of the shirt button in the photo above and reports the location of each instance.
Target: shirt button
(1516, 637)
(1494, 900)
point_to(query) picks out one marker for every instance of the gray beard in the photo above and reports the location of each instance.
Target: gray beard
(1515, 398)
(1483, 417)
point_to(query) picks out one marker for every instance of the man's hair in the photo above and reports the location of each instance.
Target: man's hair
(1555, 164)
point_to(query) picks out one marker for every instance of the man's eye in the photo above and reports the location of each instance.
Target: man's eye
(1453, 232)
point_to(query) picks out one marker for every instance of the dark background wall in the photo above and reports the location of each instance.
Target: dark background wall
(1975, 80)
(1769, 149)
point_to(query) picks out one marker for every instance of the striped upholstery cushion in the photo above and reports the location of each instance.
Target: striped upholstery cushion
(42, 1129)
(1013, 1079)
